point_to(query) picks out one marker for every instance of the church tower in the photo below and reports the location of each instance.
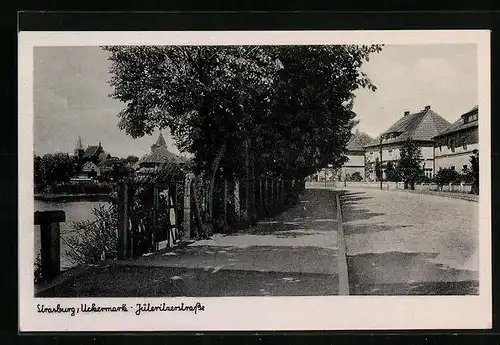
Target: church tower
(79, 148)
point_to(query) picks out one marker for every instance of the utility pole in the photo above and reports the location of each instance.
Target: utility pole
(381, 171)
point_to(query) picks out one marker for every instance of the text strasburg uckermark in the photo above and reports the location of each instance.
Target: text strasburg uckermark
(137, 309)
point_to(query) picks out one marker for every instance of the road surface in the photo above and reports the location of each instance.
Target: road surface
(404, 243)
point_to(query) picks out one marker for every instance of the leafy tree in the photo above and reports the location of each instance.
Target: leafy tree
(391, 172)
(38, 174)
(410, 166)
(474, 160)
(378, 170)
(54, 168)
(203, 94)
(291, 105)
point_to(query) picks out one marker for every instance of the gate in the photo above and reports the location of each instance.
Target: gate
(149, 215)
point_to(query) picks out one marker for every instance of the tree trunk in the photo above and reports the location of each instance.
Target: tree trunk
(215, 166)
(197, 212)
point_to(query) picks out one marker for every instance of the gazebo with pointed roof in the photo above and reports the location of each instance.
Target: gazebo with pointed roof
(158, 156)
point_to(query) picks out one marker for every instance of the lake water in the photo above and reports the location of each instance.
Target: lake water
(75, 211)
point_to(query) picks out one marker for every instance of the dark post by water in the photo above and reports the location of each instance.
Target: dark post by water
(123, 243)
(51, 241)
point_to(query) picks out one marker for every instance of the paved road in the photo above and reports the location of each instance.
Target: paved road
(403, 243)
(292, 254)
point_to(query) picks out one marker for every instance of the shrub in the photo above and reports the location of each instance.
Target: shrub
(93, 238)
(38, 270)
(447, 175)
(356, 177)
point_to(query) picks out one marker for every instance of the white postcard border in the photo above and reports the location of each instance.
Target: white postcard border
(256, 313)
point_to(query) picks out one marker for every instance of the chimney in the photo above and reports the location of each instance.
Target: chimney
(427, 107)
(407, 113)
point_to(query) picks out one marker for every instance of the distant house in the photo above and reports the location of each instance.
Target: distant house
(454, 145)
(90, 170)
(420, 127)
(90, 160)
(92, 153)
(158, 156)
(355, 153)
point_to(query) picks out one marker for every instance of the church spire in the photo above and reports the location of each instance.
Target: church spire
(79, 148)
(79, 145)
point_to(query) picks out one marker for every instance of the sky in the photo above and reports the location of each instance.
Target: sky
(71, 94)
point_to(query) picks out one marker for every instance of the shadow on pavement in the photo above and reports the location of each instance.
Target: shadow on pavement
(370, 228)
(129, 281)
(351, 213)
(398, 273)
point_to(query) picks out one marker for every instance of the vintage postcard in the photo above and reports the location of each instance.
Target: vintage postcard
(254, 180)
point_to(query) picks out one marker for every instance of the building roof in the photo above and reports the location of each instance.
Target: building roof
(110, 161)
(420, 126)
(91, 151)
(459, 124)
(160, 141)
(159, 156)
(89, 163)
(357, 141)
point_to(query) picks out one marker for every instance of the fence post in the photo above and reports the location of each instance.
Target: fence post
(261, 202)
(237, 198)
(50, 236)
(272, 196)
(123, 221)
(186, 234)
(153, 246)
(264, 198)
(225, 202)
(282, 196)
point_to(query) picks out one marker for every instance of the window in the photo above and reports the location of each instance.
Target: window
(452, 167)
(465, 168)
(470, 118)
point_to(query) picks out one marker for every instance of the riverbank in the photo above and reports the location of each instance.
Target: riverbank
(73, 197)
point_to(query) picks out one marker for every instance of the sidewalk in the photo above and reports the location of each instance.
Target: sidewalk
(410, 244)
(292, 254)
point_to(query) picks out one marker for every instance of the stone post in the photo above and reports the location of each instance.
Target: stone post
(51, 241)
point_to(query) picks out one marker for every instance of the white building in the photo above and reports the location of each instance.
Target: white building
(355, 153)
(421, 127)
(457, 143)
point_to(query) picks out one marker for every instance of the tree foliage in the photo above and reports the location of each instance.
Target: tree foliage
(293, 102)
(447, 175)
(409, 164)
(50, 169)
(392, 172)
(276, 110)
(474, 160)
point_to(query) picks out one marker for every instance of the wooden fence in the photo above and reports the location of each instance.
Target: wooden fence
(153, 213)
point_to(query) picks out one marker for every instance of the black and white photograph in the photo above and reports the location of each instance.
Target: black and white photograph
(190, 177)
